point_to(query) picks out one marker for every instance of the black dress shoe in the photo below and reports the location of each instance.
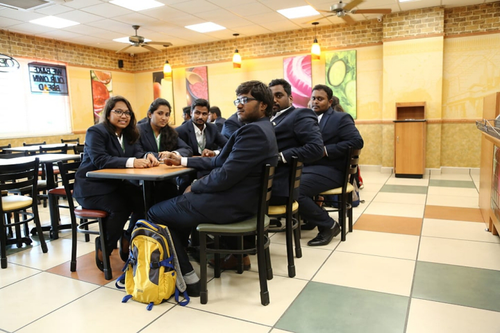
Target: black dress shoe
(230, 263)
(98, 251)
(193, 289)
(325, 236)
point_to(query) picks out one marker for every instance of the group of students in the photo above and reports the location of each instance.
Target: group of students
(266, 129)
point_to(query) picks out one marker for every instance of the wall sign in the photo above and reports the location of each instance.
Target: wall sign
(48, 78)
(7, 63)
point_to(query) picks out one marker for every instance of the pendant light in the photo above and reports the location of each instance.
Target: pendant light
(236, 55)
(315, 48)
(167, 69)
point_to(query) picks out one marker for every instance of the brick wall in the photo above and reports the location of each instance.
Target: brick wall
(414, 23)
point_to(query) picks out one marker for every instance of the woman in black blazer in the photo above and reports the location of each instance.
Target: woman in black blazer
(158, 138)
(113, 144)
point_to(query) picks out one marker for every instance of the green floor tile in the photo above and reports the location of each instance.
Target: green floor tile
(466, 286)
(452, 183)
(404, 189)
(329, 308)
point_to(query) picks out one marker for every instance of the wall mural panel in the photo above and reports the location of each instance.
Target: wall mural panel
(196, 84)
(297, 71)
(102, 87)
(341, 77)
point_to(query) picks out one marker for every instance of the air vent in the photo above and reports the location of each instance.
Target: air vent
(23, 4)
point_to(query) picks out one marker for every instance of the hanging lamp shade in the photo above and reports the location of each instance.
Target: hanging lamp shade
(236, 59)
(315, 50)
(167, 69)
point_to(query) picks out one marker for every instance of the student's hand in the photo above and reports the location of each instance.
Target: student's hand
(166, 154)
(207, 153)
(153, 160)
(173, 160)
(141, 163)
(188, 189)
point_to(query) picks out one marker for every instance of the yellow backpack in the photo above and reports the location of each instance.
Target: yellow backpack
(151, 269)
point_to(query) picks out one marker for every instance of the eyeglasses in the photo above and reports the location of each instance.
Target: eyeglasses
(243, 100)
(119, 113)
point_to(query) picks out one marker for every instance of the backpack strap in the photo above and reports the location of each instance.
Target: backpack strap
(186, 297)
(126, 298)
(150, 306)
(146, 224)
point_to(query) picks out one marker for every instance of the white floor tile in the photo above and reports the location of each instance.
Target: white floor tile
(14, 273)
(453, 201)
(473, 231)
(408, 181)
(434, 317)
(37, 296)
(400, 198)
(453, 191)
(381, 244)
(460, 252)
(387, 275)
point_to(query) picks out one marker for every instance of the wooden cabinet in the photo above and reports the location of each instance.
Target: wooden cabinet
(410, 131)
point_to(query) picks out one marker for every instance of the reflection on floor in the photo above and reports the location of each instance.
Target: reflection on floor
(419, 260)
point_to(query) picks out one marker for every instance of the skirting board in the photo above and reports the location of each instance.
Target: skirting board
(428, 171)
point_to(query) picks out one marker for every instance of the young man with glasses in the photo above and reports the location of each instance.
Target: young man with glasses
(230, 191)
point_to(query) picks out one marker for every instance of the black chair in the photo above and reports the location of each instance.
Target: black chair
(13, 155)
(290, 213)
(344, 192)
(77, 140)
(3, 147)
(86, 216)
(255, 226)
(34, 144)
(63, 149)
(78, 149)
(12, 177)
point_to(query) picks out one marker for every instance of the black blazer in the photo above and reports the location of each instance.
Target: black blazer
(102, 150)
(298, 134)
(230, 192)
(147, 142)
(339, 133)
(214, 140)
(231, 125)
(219, 122)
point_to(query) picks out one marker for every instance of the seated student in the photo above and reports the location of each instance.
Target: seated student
(339, 133)
(186, 114)
(215, 117)
(112, 144)
(203, 138)
(231, 125)
(229, 193)
(158, 138)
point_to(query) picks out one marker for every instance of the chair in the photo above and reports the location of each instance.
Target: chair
(77, 140)
(12, 177)
(344, 193)
(78, 149)
(255, 226)
(54, 150)
(3, 147)
(86, 216)
(34, 144)
(290, 213)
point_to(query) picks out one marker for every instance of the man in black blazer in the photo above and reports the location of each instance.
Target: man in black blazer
(215, 117)
(229, 193)
(339, 133)
(297, 133)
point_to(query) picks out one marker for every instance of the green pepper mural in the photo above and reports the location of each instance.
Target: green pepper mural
(341, 77)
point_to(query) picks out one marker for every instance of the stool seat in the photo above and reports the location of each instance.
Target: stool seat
(338, 190)
(58, 191)
(16, 202)
(281, 210)
(83, 213)
(236, 228)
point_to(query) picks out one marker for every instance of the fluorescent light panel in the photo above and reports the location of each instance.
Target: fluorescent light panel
(297, 12)
(54, 22)
(205, 27)
(137, 5)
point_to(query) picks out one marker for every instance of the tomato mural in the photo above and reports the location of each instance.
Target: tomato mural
(196, 84)
(101, 90)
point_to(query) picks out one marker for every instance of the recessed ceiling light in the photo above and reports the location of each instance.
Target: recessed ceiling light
(127, 41)
(54, 22)
(297, 12)
(137, 5)
(205, 27)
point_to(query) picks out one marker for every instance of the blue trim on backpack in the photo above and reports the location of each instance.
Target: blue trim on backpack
(186, 297)
(126, 298)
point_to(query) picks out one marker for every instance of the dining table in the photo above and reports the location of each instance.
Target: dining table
(30, 150)
(146, 177)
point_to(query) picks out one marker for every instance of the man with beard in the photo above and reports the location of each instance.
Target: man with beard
(339, 133)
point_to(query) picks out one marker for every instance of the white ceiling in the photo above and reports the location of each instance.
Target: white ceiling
(101, 21)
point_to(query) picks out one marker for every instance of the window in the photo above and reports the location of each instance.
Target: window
(27, 114)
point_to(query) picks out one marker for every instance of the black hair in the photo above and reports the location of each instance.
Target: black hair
(168, 136)
(259, 91)
(326, 89)
(281, 82)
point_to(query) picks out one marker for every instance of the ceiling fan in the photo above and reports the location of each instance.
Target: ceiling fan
(139, 41)
(343, 10)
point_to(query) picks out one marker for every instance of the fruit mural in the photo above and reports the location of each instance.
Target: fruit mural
(101, 90)
(297, 71)
(341, 77)
(196, 84)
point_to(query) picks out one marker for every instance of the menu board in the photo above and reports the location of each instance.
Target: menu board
(48, 78)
